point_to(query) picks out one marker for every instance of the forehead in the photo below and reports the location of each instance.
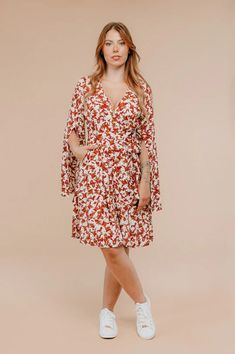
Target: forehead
(113, 35)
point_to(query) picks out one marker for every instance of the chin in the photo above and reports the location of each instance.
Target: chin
(119, 63)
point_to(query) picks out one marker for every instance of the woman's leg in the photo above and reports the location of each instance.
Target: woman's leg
(112, 287)
(124, 271)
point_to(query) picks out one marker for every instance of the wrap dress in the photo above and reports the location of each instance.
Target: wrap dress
(105, 182)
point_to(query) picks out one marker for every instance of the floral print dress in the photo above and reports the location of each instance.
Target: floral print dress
(105, 183)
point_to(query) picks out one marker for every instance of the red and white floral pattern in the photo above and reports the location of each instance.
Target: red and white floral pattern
(105, 183)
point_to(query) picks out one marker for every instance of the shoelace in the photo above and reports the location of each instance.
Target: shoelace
(144, 319)
(108, 319)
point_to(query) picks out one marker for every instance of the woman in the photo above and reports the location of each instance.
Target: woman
(110, 164)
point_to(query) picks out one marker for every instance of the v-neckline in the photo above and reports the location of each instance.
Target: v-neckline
(113, 109)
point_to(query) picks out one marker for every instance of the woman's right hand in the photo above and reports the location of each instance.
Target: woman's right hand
(81, 150)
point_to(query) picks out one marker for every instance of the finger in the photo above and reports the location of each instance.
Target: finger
(140, 205)
(143, 203)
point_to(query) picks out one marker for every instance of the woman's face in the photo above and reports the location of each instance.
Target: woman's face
(114, 45)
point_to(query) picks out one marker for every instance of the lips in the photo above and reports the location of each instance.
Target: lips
(115, 57)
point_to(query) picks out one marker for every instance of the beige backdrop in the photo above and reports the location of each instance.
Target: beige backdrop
(51, 285)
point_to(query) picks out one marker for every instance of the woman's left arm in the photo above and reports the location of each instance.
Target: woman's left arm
(144, 186)
(149, 185)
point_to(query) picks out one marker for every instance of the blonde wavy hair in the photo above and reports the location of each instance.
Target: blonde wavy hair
(132, 75)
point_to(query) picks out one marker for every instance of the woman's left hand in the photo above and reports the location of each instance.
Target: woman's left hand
(144, 193)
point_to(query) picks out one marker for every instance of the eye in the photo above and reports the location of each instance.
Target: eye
(122, 43)
(107, 43)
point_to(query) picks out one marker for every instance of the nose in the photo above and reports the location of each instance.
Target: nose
(115, 48)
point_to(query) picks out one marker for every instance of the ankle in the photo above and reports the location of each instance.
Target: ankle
(110, 307)
(141, 299)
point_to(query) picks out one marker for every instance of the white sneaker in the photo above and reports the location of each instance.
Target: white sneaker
(145, 325)
(108, 325)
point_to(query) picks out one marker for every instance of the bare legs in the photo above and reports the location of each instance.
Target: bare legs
(112, 287)
(120, 273)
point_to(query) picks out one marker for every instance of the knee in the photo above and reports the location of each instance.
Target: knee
(112, 254)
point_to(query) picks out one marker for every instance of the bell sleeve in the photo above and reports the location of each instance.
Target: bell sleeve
(148, 134)
(75, 121)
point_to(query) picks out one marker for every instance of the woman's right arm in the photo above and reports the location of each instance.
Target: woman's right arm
(74, 145)
(79, 151)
